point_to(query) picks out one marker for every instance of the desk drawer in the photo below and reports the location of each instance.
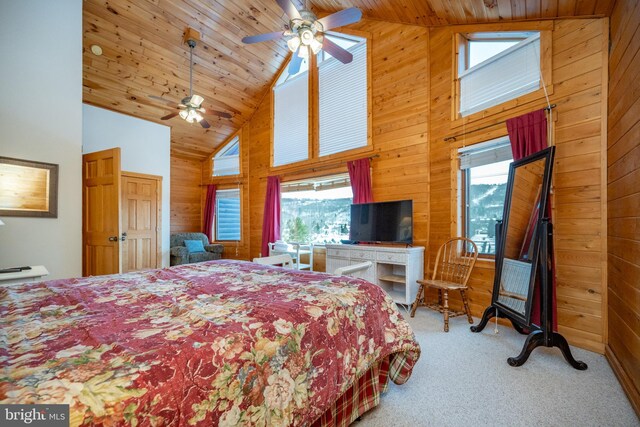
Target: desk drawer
(362, 255)
(337, 253)
(391, 257)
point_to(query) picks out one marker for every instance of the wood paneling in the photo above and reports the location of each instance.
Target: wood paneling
(578, 68)
(442, 12)
(186, 207)
(623, 191)
(143, 52)
(399, 111)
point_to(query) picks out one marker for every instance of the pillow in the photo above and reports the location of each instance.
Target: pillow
(194, 246)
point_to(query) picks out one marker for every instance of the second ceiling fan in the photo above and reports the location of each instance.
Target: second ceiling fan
(306, 33)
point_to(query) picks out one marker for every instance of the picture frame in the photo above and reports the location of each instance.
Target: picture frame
(28, 188)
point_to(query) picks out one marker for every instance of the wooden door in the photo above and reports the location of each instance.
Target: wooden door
(101, 212)
(141, 202)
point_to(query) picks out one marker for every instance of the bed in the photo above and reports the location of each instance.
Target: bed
(214, 343)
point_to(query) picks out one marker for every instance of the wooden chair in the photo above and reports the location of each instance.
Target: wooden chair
(284, 260)
(454, 263)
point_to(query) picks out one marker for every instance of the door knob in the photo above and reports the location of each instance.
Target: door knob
(124, 236)
(113, 238)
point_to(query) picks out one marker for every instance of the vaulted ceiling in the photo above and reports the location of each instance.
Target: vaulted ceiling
(144, 54)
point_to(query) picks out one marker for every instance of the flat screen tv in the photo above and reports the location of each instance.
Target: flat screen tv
(387, 222)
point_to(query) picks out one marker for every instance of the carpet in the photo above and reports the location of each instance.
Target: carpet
(463, 379)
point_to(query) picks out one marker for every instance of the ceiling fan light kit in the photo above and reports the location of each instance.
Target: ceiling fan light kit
(305, 33)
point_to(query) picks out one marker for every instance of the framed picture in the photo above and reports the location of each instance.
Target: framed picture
(28, 189)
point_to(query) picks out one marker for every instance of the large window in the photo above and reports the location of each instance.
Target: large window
(291, 117)
(342, 98)
(227, 160)
(227, 217)
(484, 173)
(316, 210)
(339, 105)
(497, 67)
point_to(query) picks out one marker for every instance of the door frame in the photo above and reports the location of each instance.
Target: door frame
(157, 178)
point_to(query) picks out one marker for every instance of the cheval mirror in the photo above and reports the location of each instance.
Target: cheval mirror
(524, 247)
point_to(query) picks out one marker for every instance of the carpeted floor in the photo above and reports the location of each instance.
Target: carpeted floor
(462, 379)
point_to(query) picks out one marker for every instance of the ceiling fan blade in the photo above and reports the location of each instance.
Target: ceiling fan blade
(222, 114)
(296, 61)
(289, 9)
(336, 51)
(204, 124)
(166, 101)
(339, 19)
(169, 116)
(263, 37)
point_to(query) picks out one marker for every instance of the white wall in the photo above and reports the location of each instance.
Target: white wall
(145, 147)
(41, 120)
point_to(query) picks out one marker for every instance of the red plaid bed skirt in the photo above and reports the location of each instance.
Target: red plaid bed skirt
(364, 394)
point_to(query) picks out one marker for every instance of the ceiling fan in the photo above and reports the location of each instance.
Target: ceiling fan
(190, 107)
(306, 32)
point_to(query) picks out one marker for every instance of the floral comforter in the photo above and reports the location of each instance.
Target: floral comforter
(217, 343)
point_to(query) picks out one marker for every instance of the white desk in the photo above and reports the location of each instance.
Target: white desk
(33, 275)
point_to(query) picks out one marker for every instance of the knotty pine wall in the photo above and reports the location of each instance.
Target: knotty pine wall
(186, 208)
(399, 84)
(579, 72)
(623, 169)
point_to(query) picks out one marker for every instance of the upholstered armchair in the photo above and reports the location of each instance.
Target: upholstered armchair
(181, 255)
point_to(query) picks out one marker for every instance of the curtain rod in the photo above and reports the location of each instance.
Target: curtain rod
(453, 138)
(223, 183)
(320, 168)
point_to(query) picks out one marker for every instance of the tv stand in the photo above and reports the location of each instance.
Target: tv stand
(395, 268)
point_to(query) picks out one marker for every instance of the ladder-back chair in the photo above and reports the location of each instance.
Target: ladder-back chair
(454, 263)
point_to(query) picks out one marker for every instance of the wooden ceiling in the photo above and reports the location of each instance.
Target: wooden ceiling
(143, 52)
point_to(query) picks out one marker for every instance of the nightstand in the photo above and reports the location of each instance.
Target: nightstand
(33, 275)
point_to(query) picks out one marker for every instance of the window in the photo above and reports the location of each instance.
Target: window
(227, 217)
(484, 173)
(498, 67)
(338, 103)
(291, 117)
(227, 159)
(316, 210)
(342, 98)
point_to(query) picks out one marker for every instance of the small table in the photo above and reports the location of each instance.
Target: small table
(32, 275)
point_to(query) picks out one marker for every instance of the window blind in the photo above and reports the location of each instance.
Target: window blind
(343, 102)
(227, 217)
(497, 150)
(291, 121)
(511, 73)
(227, 160)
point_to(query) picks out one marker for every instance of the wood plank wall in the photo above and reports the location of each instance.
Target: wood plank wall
(186, 175)
(579, 66)
(623, 168)
(399, 72)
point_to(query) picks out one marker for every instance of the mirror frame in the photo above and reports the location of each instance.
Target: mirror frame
(52, 191)
(548, 155)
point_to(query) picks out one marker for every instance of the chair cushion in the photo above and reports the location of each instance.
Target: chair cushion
(194, 246)
(441, 284)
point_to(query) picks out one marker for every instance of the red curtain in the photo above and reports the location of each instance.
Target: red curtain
(209, 211)
(528, 135)
(271, 220)
(360, 176)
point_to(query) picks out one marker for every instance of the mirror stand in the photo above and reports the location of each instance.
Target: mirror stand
(542, 335)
